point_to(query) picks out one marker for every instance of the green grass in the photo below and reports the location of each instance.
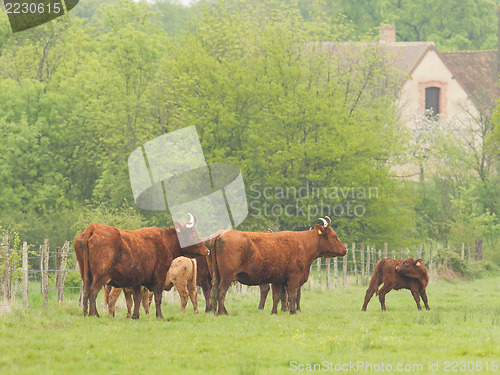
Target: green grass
(463, 325)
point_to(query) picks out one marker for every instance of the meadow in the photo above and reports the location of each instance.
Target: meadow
(331, 332)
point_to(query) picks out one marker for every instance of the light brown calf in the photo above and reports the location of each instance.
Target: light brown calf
(182, 275)
(111, 295)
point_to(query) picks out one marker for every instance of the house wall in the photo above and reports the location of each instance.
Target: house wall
(433, 72)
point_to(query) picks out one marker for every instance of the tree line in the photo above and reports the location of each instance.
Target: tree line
(266, 93)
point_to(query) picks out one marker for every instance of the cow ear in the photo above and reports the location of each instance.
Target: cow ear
(319, 229)
(419, 262)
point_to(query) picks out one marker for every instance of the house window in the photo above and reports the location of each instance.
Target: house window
(432, 100)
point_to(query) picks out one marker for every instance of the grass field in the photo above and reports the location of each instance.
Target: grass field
(463, 325)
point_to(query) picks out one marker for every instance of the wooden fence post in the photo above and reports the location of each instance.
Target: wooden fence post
(462, 254)
(336, 272)
(362, 256)
(430, 259)
(479, 250)
(6, 270)
(318, 264)
(385, 249)
(344, 271)
(468, 253)
(63, 270)
(354, 263)
(25, 276)
(328, 278)
(45, 279)
(393, 254)
(401, 252)
(58, 266)
(41, 269)
(367, 263)
(422, 254)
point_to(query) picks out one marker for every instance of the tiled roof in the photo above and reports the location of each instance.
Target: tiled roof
(476, 70)
(406, 55)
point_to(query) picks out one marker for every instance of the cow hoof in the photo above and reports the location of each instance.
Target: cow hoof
(135, 317)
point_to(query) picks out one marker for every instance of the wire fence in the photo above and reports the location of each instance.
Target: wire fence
(34, 278)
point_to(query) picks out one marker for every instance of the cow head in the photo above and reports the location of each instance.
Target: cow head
(187, 234)
(413, 268)
(329, 243)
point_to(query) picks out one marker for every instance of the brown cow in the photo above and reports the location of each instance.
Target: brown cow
(182, 275)
(398, 274)
(111, 295)
(282, 258)
(204, 280)
(124, 258)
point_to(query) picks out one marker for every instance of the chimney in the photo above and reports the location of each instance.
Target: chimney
(388, 33)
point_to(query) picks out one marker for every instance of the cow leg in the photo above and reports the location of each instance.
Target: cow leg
(264, 290)
(183, 293)
(298, 299)
(193, 295)
(95, 288)
(128, 300)
(158, 291)
(206, 294)
(223, 287)
(112, 298)
(284, 303)
(292, 296)
(416, 297)
(381, 295)
(423, 294)
(146, 300)
(277, 292)
(368, 297)
(136, 292)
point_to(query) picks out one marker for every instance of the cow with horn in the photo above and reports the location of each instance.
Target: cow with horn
(281, 259)
(132, 258)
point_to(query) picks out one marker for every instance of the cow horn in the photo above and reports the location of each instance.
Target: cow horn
(325, 224)
(192, 221)
(329, 220)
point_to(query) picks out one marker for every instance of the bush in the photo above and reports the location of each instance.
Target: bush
(452, 266)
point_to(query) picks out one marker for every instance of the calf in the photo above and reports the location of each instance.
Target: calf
(398, 274)
(182, 275)
(111, 295)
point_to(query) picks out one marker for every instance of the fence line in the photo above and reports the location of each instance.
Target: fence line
(22, 269)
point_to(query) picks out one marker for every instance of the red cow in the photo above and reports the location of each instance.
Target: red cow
(398, 274)
(283, 258)
(124, 258)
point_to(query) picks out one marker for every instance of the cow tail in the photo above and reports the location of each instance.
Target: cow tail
(84, 245)
(376, 279)
(214, 293)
